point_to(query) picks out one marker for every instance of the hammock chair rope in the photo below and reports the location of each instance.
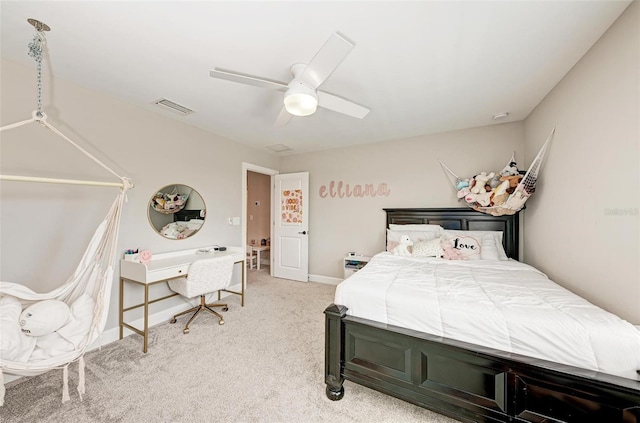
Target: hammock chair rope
(125, 182)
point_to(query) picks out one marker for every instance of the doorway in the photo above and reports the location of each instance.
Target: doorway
(257, 219)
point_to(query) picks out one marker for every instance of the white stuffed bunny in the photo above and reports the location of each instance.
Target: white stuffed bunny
(402, 249)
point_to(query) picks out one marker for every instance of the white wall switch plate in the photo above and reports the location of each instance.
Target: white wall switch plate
(236, 221)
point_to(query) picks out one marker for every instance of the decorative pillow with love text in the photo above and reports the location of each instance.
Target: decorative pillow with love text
(468, 246)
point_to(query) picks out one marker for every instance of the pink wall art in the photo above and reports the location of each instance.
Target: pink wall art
(340, 189)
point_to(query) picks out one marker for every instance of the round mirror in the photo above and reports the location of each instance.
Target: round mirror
(176, 211)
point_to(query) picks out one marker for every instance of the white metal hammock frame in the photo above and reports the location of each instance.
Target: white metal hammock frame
(524, 190)
(93, 275)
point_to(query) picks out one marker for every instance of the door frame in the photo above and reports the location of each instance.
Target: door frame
(249, 167)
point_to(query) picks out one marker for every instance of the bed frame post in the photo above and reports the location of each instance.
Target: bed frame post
(334, 351)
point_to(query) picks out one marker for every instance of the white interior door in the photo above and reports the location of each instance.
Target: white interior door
(290, 246)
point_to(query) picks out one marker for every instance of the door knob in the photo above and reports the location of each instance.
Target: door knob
(303, 232)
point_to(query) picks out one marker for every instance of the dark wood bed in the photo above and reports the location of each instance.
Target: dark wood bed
(461, 380)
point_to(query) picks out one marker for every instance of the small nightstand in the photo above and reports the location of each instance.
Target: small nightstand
(351, 264)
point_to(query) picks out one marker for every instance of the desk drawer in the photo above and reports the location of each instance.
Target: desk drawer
(168, 273)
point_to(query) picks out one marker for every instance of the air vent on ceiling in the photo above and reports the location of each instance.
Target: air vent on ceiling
(174, 107)
(279, 148)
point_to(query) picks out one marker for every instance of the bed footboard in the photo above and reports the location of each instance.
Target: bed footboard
(468, 382)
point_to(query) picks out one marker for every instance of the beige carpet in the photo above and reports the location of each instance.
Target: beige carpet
(266, 364)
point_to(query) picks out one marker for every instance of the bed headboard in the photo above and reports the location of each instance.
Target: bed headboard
(465, 219)
(185, 215)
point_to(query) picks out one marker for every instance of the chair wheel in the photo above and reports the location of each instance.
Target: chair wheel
(225, 308)
(186, 331)
(172, 321)
(221, 322)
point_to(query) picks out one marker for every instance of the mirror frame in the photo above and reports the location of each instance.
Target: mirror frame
(193, 208)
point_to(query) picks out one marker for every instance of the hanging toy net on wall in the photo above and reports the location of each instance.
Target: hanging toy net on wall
(499, 193)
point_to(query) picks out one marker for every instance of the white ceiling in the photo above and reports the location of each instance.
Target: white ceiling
(421, 66)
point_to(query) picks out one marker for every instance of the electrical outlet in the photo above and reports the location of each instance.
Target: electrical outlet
(236, 221)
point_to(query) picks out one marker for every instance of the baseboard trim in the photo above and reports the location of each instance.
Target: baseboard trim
(325, 279)
(111, 335)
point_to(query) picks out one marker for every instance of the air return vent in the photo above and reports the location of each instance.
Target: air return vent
(279, 148)
(173, 107)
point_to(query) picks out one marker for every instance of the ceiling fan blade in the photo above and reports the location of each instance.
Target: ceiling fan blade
(340, 105)
(283, 118)
(244, 78)
(326, 60)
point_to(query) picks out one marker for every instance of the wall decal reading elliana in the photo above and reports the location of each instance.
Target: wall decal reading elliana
(340, 189)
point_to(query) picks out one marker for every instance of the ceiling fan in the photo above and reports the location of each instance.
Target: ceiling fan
(301, 96)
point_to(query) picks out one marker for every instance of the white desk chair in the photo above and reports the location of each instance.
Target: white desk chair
(205, 276)
(252, 257)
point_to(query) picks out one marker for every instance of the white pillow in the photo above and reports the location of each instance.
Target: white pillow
(486, 238)
(44, 317)
(77, 328)
(489, 249)
(421, 228)
(393, 237)
(51, 345)
(14, 345)
(431, 248)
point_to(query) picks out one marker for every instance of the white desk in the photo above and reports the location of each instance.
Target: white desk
(162, 268)
(260, 249)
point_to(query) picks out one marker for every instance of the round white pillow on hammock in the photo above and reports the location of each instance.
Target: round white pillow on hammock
(44, 317)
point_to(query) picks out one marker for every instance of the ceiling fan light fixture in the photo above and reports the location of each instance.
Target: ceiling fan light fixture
(300, 100)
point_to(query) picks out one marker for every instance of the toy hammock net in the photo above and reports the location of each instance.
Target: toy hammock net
(499, 193)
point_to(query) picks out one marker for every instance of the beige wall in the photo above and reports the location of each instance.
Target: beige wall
(582, 225)
(46, 228)
(411, 170)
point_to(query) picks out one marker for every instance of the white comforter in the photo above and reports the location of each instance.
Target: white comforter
(506, 305)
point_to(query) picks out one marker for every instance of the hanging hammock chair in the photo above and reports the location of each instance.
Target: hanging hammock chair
(87, 291)
(499, 193)
(90, 284)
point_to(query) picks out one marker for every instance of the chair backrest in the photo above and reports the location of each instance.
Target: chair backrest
(210, 274)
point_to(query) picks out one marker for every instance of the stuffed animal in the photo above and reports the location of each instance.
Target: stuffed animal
(499, 199)
(502, 188)
(451, 253)
(481, 181)
(510, 170)
(483, 199)
(462, 183)
(495, 181)
(402, 249)
(514, 180)
(158, 201)
(463, 192)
